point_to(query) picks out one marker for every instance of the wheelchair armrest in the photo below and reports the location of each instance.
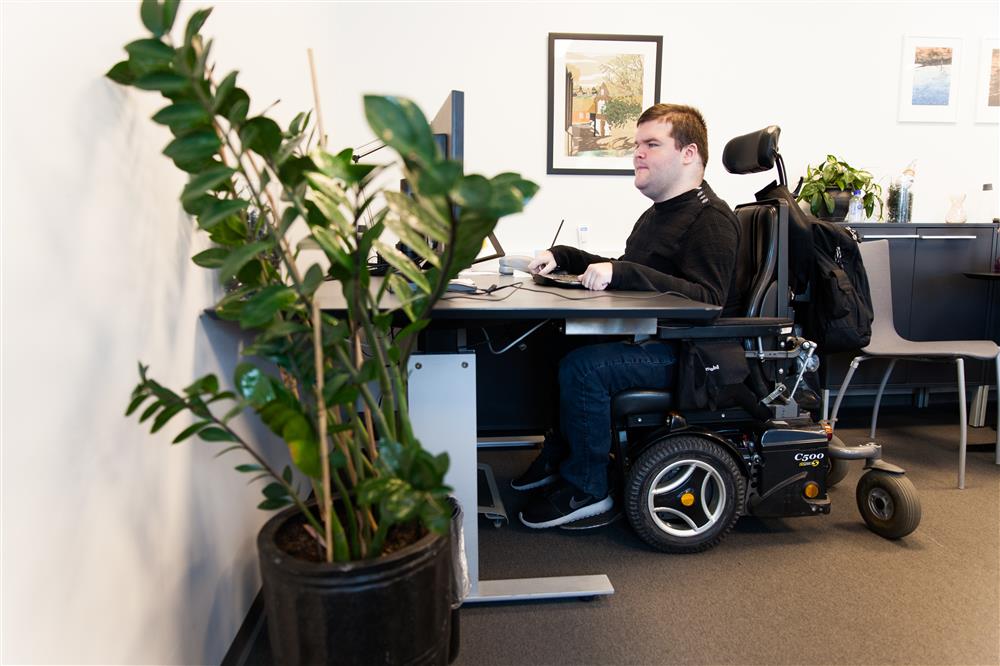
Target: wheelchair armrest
(728, 327)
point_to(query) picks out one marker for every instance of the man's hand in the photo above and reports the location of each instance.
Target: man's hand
(597, 277)
(543, 264)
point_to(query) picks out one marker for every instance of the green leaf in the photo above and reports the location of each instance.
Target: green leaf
(474, 192)
(183, 115)
(194, 24)
(404, 265)
(272, 504)
(169, 13)
(190, 430)
(275, 490)
(261, 135)
(137, 400)
(439, 179)
(150, 52)
(416, 218)
(168, 413)
(399, 123)
(219, 210)
(331, 246)
(225, 87)
(312, 280)
(829, 201)
(236, 105)
(239, 256)
(301, 440)
(206, 181)
(247, 468)
(197, 145)
(152, 17)
(149, 411)
(121, 73)
(216, 434)
(206, 384)
(253, 385)
(165, 82)
(261, 309)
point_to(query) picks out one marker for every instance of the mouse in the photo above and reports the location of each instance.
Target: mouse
(463, 285)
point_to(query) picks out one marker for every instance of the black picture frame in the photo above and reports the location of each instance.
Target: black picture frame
(575, 148)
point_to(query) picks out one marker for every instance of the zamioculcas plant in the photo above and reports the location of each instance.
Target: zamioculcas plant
(250, 183)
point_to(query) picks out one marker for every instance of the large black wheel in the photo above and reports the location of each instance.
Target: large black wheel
(888, 503)
(837, 468)
(684, 494)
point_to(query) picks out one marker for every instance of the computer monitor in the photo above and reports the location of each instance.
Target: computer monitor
(449, 134)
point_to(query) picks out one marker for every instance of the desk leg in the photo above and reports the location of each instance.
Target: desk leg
(442, 401)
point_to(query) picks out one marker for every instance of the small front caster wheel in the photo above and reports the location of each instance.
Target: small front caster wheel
(888, 503)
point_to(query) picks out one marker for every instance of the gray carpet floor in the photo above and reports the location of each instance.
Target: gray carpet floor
(813, 590)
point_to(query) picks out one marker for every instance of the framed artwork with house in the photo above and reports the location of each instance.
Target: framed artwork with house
(598, 86)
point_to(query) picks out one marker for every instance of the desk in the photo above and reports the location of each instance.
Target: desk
(442, 393)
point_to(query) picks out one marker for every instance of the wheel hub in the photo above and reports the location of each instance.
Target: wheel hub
(686, 498)
(880, 503)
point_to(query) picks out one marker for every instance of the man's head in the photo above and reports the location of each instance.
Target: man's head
(671, 150)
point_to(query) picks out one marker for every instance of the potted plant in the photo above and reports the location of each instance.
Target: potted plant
(829, 186)
(378, 520)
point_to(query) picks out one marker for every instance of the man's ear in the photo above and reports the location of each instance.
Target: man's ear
(689, 154)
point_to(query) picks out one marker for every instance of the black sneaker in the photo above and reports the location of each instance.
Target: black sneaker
(564, 504)
(539, 473)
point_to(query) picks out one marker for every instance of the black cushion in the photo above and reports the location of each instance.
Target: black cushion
(639, 401)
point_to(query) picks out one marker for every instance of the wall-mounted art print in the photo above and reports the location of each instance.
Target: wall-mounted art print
(598, 87)
(988, 84)
(928, 88)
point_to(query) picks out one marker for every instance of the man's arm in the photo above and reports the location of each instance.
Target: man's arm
(709, 259)
(574, 260)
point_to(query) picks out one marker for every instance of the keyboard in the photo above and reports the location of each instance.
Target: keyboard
(563, 280)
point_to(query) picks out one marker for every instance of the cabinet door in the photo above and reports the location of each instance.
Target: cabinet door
(946, 305)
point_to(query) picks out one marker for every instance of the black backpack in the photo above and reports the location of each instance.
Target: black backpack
(825, 267)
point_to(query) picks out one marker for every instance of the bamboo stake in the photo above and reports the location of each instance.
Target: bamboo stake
(319, 112)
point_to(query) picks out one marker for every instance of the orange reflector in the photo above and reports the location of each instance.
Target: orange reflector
(687, 499)
(811, 490)
(828, 429)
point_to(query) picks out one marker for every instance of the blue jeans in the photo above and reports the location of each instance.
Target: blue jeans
(588, 377)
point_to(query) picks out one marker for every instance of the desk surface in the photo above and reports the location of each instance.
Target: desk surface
(977, 275)
(523, 299)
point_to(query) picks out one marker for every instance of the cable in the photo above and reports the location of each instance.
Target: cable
(531, 330)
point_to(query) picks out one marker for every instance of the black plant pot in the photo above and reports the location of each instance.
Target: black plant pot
(841, 202)
(393, 610)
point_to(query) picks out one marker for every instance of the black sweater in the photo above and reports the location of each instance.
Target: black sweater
(687, 244)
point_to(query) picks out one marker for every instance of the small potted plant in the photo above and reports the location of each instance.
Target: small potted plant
(828, 188)
(357, 568)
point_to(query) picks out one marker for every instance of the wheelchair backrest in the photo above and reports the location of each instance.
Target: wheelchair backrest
(762, 261)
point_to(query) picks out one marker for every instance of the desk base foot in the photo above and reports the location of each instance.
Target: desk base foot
(531, 589)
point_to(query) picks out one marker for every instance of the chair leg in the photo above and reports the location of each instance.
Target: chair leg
(997, 453)
(878, 396)
(962, 422)
(843, 389)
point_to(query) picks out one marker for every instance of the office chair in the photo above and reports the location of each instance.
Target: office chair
(887, 343)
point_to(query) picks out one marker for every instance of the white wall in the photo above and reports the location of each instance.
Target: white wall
(116, 547)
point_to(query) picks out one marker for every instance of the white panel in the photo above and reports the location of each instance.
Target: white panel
(442, 394)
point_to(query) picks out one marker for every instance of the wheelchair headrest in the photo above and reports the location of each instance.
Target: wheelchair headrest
(753, 152)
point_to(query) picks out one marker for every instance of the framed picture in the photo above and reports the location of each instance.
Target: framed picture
(988, 84)
(928, 80)
(598, 87)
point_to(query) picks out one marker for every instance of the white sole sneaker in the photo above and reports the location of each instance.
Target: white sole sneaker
(594, 509)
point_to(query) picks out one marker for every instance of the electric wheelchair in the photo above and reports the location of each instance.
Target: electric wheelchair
(690, 462)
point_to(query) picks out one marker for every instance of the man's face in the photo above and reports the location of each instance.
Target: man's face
(656, 160)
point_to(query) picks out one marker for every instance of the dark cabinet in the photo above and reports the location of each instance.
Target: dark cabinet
(932, 299)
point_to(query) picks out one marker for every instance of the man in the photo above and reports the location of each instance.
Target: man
(685, 242)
